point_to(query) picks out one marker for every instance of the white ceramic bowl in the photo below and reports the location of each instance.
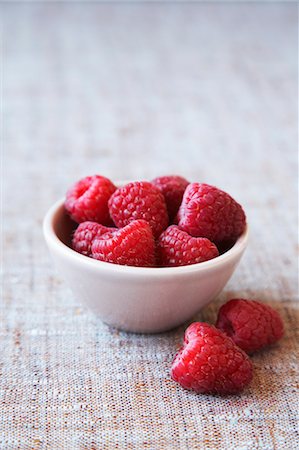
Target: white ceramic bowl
(137, 299)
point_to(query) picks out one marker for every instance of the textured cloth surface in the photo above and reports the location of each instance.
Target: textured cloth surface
(136, 91)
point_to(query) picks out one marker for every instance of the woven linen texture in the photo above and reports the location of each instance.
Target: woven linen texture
(135, 91)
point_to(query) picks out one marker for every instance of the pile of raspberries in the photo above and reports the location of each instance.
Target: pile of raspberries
(163, 223)
(170, 222)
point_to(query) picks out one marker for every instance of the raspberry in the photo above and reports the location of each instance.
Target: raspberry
(206, 211)
(178, 248)
(173, 188)
(85, 234)
(250, 324)
(139, 200)
(133, 245)
(88, 200)
(210, 362)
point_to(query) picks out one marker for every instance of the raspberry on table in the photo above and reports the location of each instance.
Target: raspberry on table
(87, 200)
(178, 248)
(85, 234)
(206, 211)
(139, 200)
(173, 188)
(209, 362)
(133, 245)
(250, 324)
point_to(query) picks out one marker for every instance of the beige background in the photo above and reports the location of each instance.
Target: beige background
(208, 91)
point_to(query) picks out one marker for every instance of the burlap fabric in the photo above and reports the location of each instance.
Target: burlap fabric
(133, 91)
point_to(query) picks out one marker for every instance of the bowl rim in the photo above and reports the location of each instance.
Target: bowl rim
(53, 241)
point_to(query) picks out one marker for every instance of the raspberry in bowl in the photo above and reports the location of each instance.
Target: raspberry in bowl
(135, 293)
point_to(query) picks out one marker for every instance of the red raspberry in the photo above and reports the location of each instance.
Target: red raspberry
(210, 362)
(178, 248)
(85, 234)
(133, 245)
(139, 200)
(88, 200)
(173, 188)
(206, 211)
(250, 324)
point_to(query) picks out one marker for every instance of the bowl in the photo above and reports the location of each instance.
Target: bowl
(137, 299)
